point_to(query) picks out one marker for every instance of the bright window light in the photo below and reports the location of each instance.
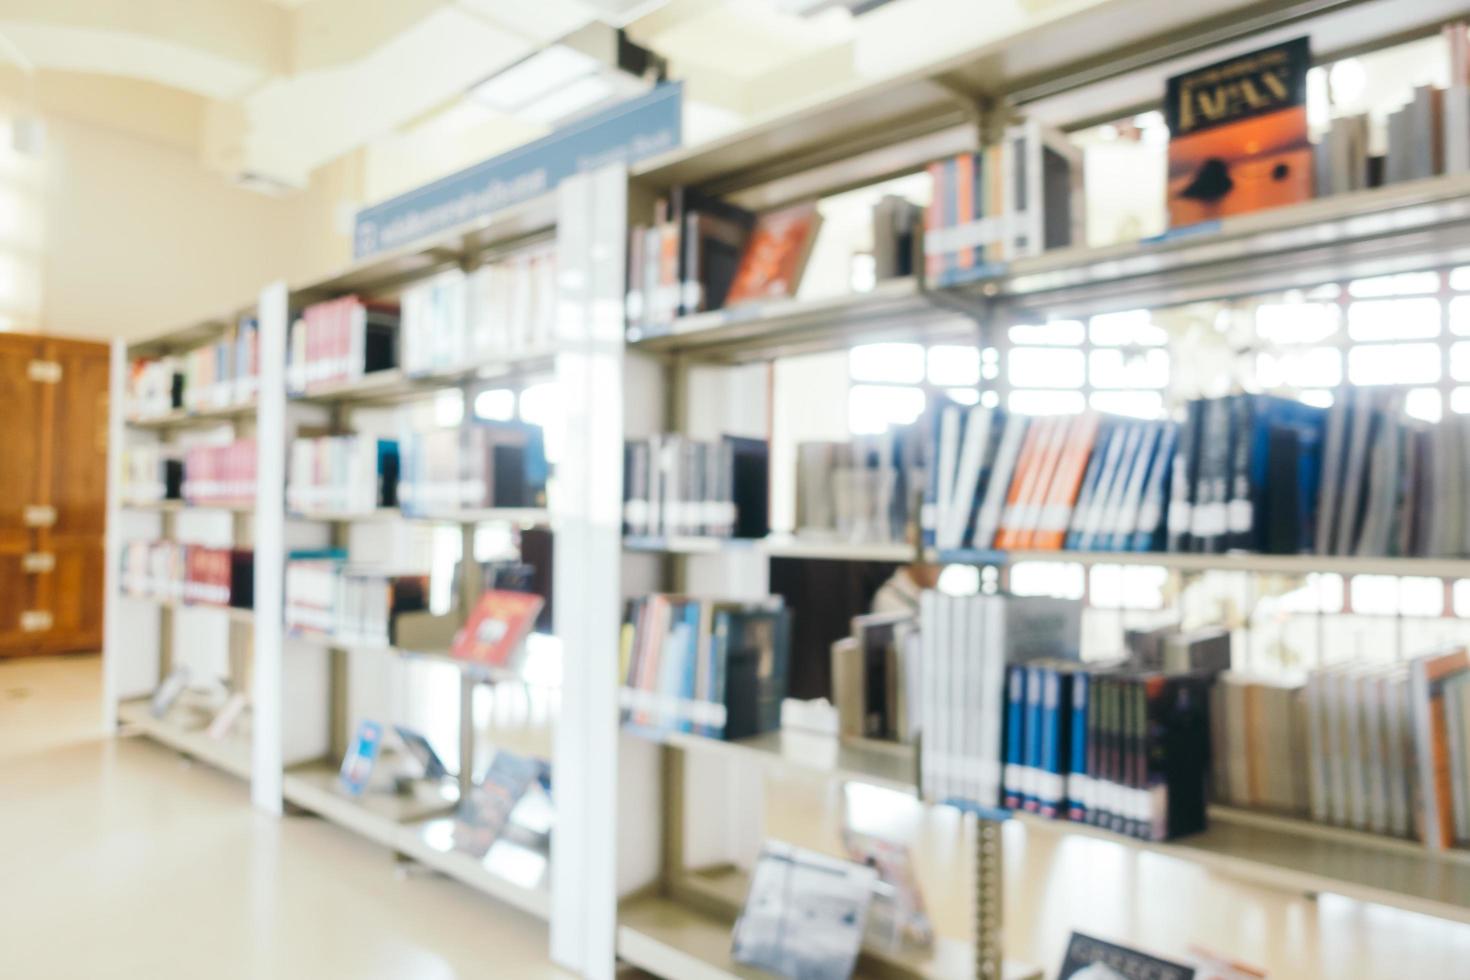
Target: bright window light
(1060, 580)
(1425, 404)
(541, 405)
(1310, 366)
(1040, 367)
(1462, 597)
(1375, 595)
(1128, 327)
(990, 398)
(958, 580)
(894, 363)
(1460, 401)
(496, 405)
(1046, 402)
(1394, 364)
(1403, 284)
(1460, 360)
(1394, 319)
(1460, 315)
(1113, 368)
(1135, 404)
(1296, 323)
(1460, 278)
(964, 396)
(546, 71)
(872, 409)
(1420, 596)
(1057, 333)
(1346, 81)
(1318, 397)
(954, 364)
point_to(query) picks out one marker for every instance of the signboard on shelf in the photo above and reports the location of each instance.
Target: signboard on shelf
(628, 132)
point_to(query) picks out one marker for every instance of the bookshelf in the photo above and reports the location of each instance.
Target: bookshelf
(619, 888)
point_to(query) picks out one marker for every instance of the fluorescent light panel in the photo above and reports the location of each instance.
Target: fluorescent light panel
(542, 74)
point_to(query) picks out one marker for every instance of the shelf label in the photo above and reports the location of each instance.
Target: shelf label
(626, 133)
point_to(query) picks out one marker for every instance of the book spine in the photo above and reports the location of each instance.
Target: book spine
(1078, 774)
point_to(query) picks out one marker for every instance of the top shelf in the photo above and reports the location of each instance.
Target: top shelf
(1401, 228)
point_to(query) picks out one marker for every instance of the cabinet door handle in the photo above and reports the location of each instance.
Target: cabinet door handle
(35, 621)
(46, 372)
(39, 515)
(38, 562)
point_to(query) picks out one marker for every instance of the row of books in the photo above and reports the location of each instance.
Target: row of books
(1010, 481)
(713, 667)
(478, 465)
(703, 254)
(965, 645)
(340, 340)
(327, 597)
(217, 375)
(189, 573)
(352, 474)
(1018, 197)
(220, 474)
(503, 308)
(861, 492)
(1383, 748)
(674, 485)
(152, 473)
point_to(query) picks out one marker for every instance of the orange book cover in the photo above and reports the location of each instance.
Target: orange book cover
(1427, 677)
(1056, 512)
(776, 254)
(1049, 452)
(496, 627)
(1239, 135)
(1007, 538)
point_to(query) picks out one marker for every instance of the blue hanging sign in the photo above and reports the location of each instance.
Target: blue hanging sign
(628, 132)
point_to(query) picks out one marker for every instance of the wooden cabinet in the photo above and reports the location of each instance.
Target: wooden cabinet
(53, 493)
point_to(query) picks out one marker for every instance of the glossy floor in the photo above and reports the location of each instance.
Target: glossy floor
(120, 860)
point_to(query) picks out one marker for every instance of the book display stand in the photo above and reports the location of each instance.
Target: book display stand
(631, 875)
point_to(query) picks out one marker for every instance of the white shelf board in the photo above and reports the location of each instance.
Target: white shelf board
(409, 826)
(1228, 562)
(376, 815)
(180, 417)
(183, 729)
(176, 506)
(245, 617)
(776, 546)
(523, 516)
(894, 768)
(395, 384)
(670, 939)
(419, 843)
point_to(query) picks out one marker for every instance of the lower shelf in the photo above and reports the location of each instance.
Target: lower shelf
(1282, 853)
(673, 940)
(418, 827)
(183, 729)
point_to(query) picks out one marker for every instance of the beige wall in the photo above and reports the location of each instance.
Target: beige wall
(138, 238)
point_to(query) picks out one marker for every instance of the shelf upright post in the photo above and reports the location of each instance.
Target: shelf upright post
(266, 757)
(586, 521)
(989, 898)
(112, 539)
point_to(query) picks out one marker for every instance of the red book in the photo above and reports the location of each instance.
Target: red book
(496, 628)
(776, 254)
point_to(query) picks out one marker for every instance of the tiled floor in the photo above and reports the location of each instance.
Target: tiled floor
(120, 860)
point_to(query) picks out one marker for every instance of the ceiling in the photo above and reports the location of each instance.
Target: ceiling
(285, 86)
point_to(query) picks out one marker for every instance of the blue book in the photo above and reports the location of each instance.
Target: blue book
(1267, 412)
(1013, 777)
(361, 757)
(1151, 528)
(1107, 431)
(1077, 774)
(1031, 795)
(1050, 789)
(690, 659)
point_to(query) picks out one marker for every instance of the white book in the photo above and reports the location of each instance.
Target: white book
(1370, 698)
(992, 709)
(1400, 742)
(956, 519)
(950, 422)
(928, 674)
(1356, 753)
(1333, 455)
(959, 648)
(1454, 718)
(973, 655)
(1316, 748)
(987, 521)
(1091, 515)
(943, 681)
(1354, 474)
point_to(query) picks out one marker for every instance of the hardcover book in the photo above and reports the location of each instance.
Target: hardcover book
(776, 254)
(1092, 959)
(1239, 135)
(804, 916)
(496, 628)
